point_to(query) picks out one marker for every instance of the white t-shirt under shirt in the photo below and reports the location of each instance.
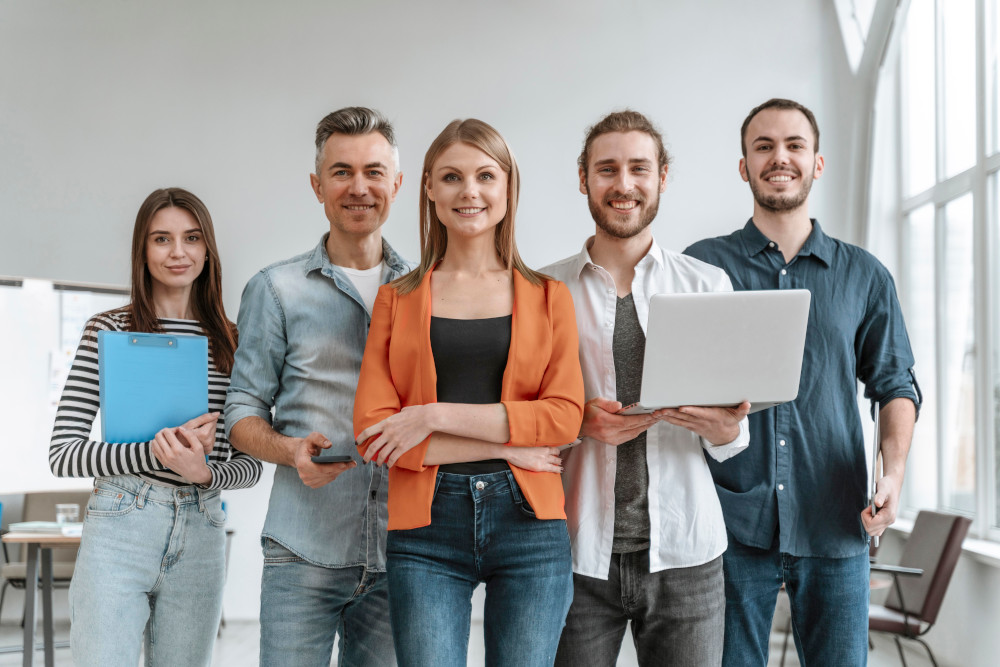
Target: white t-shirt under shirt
(367, 282)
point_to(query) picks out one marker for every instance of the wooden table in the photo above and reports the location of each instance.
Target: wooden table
(39, 543)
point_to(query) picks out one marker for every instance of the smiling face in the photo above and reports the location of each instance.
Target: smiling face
(623, 183)
(469, 190)
(357, 182)
(175, 249)
(781, 160)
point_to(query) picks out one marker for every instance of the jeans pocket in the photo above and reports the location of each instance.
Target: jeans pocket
(525, 507)
(216, 516)
(520, 501)
(276, 553)
(112, 501)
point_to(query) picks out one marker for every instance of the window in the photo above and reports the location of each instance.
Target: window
(949, 226)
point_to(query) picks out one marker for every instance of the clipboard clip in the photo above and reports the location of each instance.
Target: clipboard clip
(152, 341)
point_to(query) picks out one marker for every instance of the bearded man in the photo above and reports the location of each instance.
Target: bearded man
(796, 504)
(647, 528)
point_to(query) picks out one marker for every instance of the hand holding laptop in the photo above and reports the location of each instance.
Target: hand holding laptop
(602, 421)
(718, 426)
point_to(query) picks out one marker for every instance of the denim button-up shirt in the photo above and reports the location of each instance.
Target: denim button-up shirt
(806, 471)
(303, 327)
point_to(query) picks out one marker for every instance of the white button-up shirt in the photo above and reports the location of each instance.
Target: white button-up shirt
(686, 524)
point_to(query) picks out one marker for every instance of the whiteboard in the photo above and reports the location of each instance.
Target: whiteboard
(40, 326)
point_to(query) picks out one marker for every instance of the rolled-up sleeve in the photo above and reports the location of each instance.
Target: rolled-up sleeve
(882, 348)
(260, 355)
(554, 417)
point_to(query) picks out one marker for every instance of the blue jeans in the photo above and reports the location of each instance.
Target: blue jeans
(677, 615)
(303, 607)
(828, 599)
(482, 530)
(151, 562)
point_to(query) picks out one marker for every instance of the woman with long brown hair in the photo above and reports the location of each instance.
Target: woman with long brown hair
(470, 381)
(152, 560)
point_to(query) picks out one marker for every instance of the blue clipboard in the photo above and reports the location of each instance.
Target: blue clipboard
(150, 382)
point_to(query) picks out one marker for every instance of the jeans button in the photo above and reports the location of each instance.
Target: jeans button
(480, 485)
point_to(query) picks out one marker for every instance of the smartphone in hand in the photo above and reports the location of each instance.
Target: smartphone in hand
(332, 459)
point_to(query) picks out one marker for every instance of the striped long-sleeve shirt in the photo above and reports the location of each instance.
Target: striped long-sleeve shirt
(73, 454)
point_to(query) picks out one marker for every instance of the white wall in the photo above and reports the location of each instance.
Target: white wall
(103, 101)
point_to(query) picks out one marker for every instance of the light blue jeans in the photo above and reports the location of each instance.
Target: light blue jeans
(303, 607)
(151, 564)
(482, 530)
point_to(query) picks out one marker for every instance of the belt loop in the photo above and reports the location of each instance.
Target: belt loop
(140, 497)
(201, 499)
(515, 490)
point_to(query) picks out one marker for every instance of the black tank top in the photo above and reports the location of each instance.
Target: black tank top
(470, 357)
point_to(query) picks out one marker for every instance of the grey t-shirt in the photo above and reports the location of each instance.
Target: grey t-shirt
(632, 476)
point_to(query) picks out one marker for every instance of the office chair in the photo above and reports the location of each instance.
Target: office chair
(42, 507)
(919, 584)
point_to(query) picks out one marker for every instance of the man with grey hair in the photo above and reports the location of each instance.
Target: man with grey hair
(303, 324)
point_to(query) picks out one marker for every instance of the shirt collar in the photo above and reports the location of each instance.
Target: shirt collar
(818, 244)
(319, 259)
(583, 260)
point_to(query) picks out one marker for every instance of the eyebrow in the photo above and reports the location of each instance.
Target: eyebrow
(448, 167)
(370, 165)
(794, 137)
(634, 160)
(156, 232)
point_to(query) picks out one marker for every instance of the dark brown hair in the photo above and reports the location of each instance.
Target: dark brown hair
(779, 103)
(206, 293)
(434, 235)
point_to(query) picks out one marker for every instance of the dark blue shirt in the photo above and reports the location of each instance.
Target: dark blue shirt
(805, 473)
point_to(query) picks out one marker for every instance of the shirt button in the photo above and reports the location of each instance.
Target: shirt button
(611, 290)
(480, 485)
(610, 324)
(781, 487)
(781, 442)
(771, 244)
(783, 272)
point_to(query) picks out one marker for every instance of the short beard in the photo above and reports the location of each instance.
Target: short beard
(607, 220)
(782, 203)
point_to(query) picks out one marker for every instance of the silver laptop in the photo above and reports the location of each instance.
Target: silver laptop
(723, 348)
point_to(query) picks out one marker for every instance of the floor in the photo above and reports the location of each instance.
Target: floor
(238, 648)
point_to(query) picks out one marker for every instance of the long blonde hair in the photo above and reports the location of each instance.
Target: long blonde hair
(434, 235)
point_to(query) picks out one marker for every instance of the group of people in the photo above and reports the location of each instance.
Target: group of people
(479, 402)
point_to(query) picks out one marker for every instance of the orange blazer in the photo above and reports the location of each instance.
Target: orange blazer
(542, 388)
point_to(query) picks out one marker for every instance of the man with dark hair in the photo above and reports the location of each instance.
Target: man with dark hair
(796, 503)
(646, 524)
(303, 324)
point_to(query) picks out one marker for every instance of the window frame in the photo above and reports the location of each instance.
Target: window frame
(982, 181)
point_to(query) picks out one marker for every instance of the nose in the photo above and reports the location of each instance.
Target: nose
(624, 181)
(470, 188)
(781, 155)
(177, 248)
(359, 186)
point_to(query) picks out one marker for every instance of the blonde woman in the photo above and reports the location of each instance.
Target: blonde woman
(470, 380)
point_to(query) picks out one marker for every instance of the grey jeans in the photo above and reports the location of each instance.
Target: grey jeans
(678, 615)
